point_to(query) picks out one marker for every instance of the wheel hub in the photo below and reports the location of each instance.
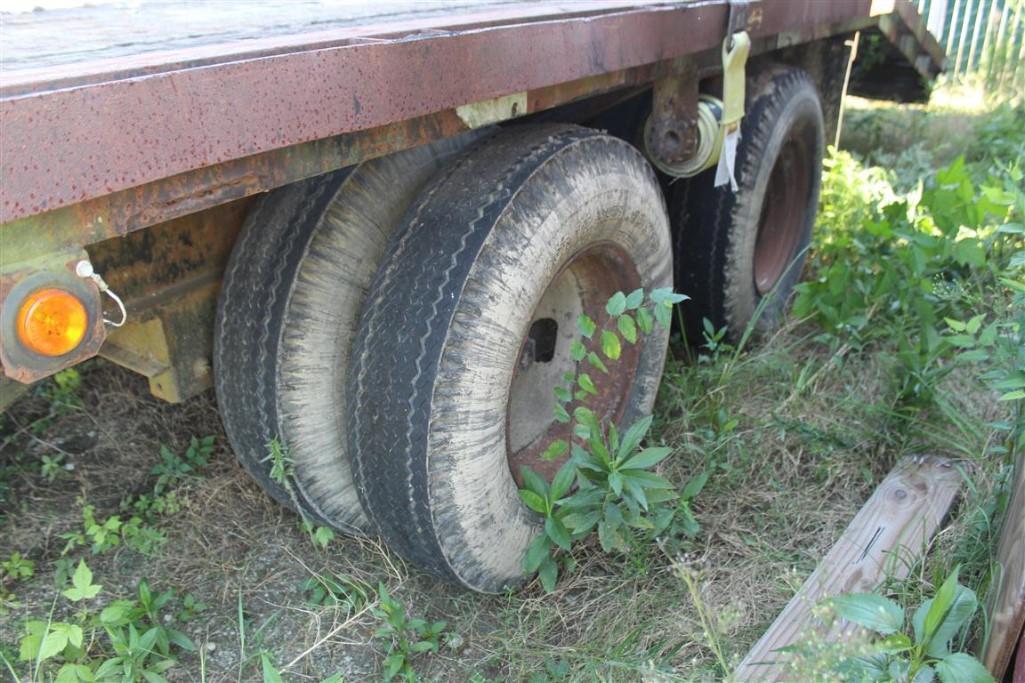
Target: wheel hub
(583, 285)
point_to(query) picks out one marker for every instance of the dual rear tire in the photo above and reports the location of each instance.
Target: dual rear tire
(739, 254)
(406, 400)
(394, 332)
(289, 307)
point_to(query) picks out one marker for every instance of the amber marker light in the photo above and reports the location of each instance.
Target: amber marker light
(52, 322)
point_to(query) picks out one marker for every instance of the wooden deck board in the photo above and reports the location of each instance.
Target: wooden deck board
(890, 531)
(1007, 605)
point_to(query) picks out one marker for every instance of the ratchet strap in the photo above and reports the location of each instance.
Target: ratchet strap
(735, 49)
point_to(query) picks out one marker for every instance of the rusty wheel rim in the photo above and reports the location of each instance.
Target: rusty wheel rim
(783, 216)
(583, 285)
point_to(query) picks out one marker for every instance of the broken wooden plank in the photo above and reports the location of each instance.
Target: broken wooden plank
(883, 540)
(1007, 603)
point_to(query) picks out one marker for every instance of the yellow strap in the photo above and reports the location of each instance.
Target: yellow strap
(734, 59)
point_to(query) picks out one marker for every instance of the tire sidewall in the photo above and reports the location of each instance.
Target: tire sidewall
(801, 113)
(575, 199)
(289, 306)
(325, 299)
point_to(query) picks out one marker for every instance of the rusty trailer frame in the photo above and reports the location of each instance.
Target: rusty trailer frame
(179, 140)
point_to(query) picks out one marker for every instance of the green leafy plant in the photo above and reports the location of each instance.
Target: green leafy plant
(555, 671)
(16, 568)
(616, 493)
(999, 345)
(138, 526)
(12, 571)
(282, 469)
(173, 468)
(191, 608)
(99, 535)
(150, 507)
(63, 391)
(895, 272)
(102, 536)
(138, 645)
(926, 652)
(268, 669)
(82, 586)
(282, 472)
(320, 536)
(406, 636)
(52, 466)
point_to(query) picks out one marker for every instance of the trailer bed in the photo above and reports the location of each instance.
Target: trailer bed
(79, 131)
(129, 29)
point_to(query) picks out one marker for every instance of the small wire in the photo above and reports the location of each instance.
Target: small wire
(84, 269)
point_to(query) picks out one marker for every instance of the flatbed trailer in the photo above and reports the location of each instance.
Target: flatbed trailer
(161, 203)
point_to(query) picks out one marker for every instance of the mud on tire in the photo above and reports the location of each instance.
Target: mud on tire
(533, 224)
(290, 301)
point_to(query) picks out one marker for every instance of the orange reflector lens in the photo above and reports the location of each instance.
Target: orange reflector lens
(52, 322)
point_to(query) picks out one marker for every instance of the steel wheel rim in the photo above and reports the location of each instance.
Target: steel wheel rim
(783, 216)
(583, 285)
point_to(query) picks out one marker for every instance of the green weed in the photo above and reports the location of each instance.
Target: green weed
(337, 591)
(52, 466)
(191, 608)
(406, 636)
(126, 640)
(889, 279)
(16, 568)
(616, 493)
(320, 536)
(931, 648)
(929, 276)
(13, 570)
(138, 527)
(173, 468)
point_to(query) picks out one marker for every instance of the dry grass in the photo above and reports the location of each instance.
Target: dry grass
(786, 480)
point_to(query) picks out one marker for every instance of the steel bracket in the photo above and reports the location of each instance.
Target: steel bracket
(737, 21)
(674, 135)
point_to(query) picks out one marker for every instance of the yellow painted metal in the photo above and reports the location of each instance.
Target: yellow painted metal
(735, 50)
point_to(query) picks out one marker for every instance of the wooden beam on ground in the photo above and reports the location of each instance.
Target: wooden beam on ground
(1019, 667)
(1007, 603)
(883, 540)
